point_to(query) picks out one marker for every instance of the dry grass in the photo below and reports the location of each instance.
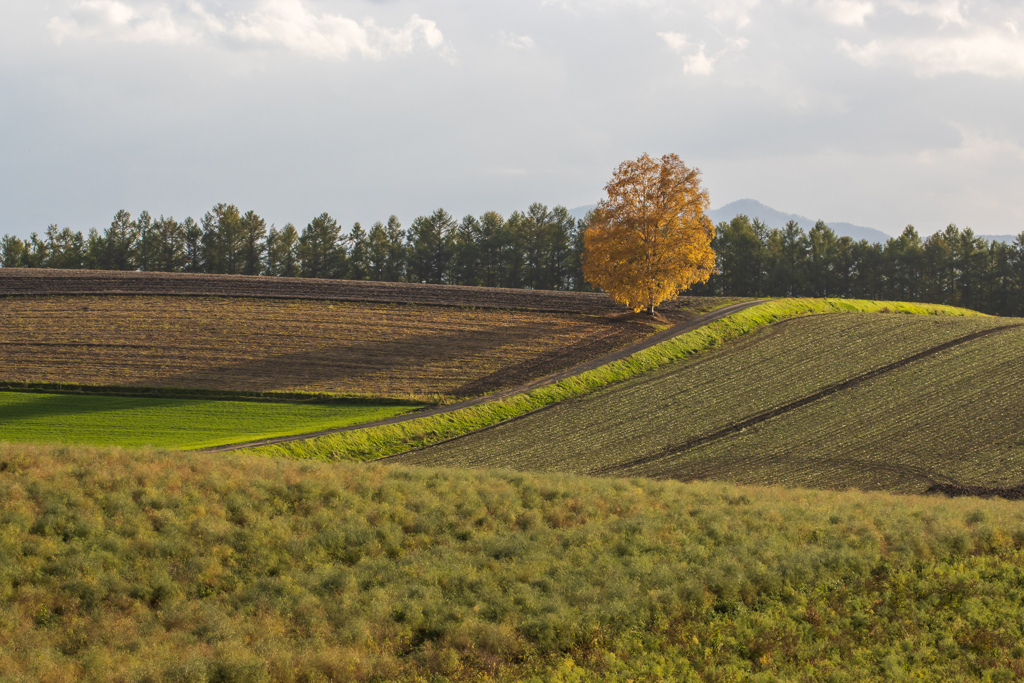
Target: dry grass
(157, 566)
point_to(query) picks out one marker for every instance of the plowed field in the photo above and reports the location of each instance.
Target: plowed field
(32, 281)
(266, 344)
(888, 402)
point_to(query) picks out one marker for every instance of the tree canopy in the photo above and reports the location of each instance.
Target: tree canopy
(649, 239)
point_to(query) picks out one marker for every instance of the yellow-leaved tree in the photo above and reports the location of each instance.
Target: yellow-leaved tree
(649, 239)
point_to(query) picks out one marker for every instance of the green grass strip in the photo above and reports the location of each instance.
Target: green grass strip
(168, 423)
(377, 442)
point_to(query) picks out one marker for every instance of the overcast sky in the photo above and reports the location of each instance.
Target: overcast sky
(875, 112)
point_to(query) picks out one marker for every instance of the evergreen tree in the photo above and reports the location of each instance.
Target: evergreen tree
(64, 248)
(12, 252)
(192, 246)
(147, 244)
(282, 251)
(359, 254)
(320, 252)
(169, 253)
(490, 233)
(430, 247)
(119, 242)
(398, 254)
(254, 245)
(223, 241)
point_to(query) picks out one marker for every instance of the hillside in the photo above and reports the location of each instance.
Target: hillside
(280, 334)
(883, 401)
(140, 565)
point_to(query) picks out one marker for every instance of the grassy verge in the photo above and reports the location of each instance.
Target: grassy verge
(166, 422)
(375, 442)
(135, 565)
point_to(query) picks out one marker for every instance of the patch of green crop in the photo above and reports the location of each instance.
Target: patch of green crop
(375, 442)
(142, 565)
(172, 423)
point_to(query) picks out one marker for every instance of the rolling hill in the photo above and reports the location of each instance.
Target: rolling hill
(886, 401)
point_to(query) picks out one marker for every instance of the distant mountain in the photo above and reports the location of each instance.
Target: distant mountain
(580, 212)
(775, 219)
(1009, 239)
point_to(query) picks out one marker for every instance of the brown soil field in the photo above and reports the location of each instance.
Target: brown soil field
(34, 281)
(266, 344)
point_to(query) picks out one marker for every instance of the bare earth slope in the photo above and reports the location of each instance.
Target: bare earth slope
(33, 281)
(890, 402)
(290, 334)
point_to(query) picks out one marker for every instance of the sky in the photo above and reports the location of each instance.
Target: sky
(880, 113)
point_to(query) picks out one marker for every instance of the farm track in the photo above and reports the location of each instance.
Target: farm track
(43, 281)
(673, 331)
(753, 420)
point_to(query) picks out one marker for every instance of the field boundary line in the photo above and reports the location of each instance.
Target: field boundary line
(766, 415)
(625, 352)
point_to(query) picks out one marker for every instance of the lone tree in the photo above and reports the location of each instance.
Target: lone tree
(649, 239)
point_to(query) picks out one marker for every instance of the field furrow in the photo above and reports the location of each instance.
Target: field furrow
(293, 345)
(870, 434)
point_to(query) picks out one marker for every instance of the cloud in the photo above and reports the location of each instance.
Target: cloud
(516, 42)
(97, 18)
(946, 11)
(985, 52)
(733, 11)
(694, 63)
(272, 23)
(846, 12)
(698, 63)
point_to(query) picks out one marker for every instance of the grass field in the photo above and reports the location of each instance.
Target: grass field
(137, 565)
(891, 402)
(171, 423)
(381, 349)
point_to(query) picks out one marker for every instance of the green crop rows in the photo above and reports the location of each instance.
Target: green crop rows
(171, 423)
(948, 416)
(375, 442)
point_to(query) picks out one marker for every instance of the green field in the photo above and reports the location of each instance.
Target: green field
(831, 401)
(135, 565)
(168, 423)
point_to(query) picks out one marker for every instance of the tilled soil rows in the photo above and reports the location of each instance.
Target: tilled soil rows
(261, 344)
(29, 281)
(889, 402)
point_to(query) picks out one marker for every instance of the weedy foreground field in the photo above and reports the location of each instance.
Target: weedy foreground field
(170, 423)
(138, 565)
(881, 401)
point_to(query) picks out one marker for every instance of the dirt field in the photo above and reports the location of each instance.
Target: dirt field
(30, 281)
(305, 345)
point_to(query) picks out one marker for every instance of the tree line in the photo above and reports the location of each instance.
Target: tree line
(953, 266)
(541, 248)
(538, 248)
